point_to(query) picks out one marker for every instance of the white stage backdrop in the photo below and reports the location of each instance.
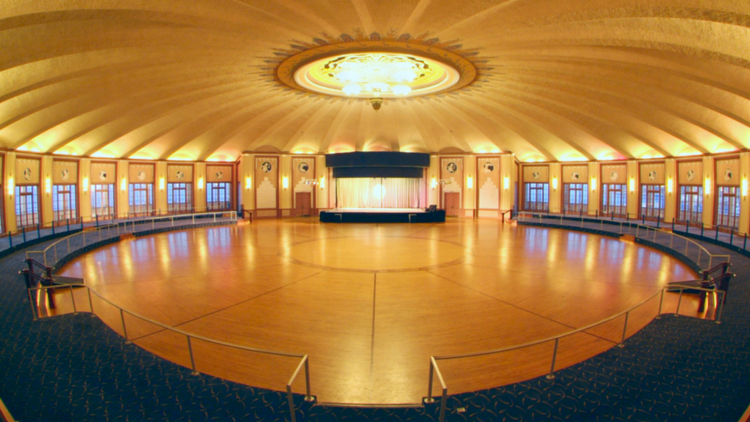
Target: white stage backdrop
(365, 192)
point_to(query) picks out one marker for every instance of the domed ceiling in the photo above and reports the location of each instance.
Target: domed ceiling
(555, 80)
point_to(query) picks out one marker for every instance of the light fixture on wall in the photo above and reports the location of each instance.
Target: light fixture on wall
(506, 183)
(670, 184)
(85, 184)
(124, 184)
(707, 186)
(744, 187)
(285, 182)
(248, 183)
(11, 188)
(632, 184)
(200, 183)
(48, 185)
(161, 183)
(554, 182)
(322, 182)
(593, 183)
(469, 182)
(434, 182)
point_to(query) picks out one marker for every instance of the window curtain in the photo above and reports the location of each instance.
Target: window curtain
(365, 192)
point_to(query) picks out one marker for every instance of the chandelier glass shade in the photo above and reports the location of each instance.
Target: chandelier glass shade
(376, 75)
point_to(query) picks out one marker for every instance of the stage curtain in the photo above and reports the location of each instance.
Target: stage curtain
(365, 192)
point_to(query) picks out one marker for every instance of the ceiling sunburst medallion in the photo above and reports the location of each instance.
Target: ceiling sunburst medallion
(373, 68)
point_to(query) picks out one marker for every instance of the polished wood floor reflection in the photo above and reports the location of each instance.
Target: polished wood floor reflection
(370, 303)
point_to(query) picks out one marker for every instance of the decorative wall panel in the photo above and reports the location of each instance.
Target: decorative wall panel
(652, 174)
(690, 173)
(728, 172)
(536, 174)
(179, 173)
(575, 174)
(65, 172)
(27, 171)
(266, 183)
(488, 182)
(103, 173)
(615, 174)
(141, 173)
(218, 174)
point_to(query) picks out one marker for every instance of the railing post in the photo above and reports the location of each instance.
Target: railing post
(23, 231)
(661, 304)
(551, 374)
(192, 358)
(703, 225)
(73, 300)
(658, 221)
(624, 330)
(153, 223)
(38, 231)
(429, 398)
(721, 308)
(308, 396)
(687, 226)
(124, 330)
(290, 399)
(717, 233)
(731, 237)
(672, 223)
(643, 219)
(679, 302)
(97, 220)
(10, 239)
(53, 227)
(91, 304)
(67, 224)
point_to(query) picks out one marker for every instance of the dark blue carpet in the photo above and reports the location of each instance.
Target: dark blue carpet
(74, 368)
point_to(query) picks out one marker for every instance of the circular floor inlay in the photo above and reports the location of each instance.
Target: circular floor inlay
(376, 253)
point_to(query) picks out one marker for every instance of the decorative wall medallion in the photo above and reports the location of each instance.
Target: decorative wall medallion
(488, 167)
(613, 176)
(451, 167)
(219, 175)
(652, 175)
(303, 167)
(575, 176)
(27, 173)
(690, 175)
(536, 175)
(65, 174)
(103, 175)
(728, 175)
(180, 175)
(141, 175)
(266, 167)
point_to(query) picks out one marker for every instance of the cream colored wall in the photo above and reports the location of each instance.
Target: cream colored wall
(9, 183)
(595, 188)
(555, 197)
(199, 192)
(708, 198)
(670, 176)
(160, 187)
(285, 199)
(45, 195)
(84, 181)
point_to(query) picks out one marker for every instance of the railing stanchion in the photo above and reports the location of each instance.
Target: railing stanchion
(658, 222)
(744, 245)
(720, 305)
(84, 238)
(717, 233)
(429, 398)
(679, 302)
(23, 231)
(672, 224)
(443, 403)
(97, 220)
(10, 239)
(53, 227)
(551, 374)
(731, 237)
(624, 330)
(38, 230)
(153, 222)
(687, 226)
(67, 224)
(73, 300)
(124, 330)
(33, 308)
(290, 399)
(192, 358)
(661, 303)
(703, 226)
(91, 304)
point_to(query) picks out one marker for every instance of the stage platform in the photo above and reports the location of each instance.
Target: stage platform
(381, 215)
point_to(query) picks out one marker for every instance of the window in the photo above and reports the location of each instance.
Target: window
(652, 201)
(103, 201)
(27, 206)
(218, 196)
(179, 197)
(728, 207)
(536, 197)
(63, 202)
(576, 197)
(691, 204)
(614, 199)
(141, 198)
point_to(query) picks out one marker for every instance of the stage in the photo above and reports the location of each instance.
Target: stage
(381, 215)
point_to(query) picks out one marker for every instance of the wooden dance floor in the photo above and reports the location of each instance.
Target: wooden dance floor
(370, 303)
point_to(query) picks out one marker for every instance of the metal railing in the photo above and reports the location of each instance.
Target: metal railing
(434, 368)
(5, 413)
(631, 228)
(34, 292)
(89, 235)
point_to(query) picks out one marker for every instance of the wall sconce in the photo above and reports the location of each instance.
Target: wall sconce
(707, 186)
(593, 183)
(200, 183)
(161, 183)
(744, 187)
(632, 184)
(48, 185)
(248, 183)
(434, 182)
(85, 184)
(11, 188)
(554, 182)
(124, 184)
(506, 183)
(285, 182)
(469, 182)
(669, 185)
(322, 182)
